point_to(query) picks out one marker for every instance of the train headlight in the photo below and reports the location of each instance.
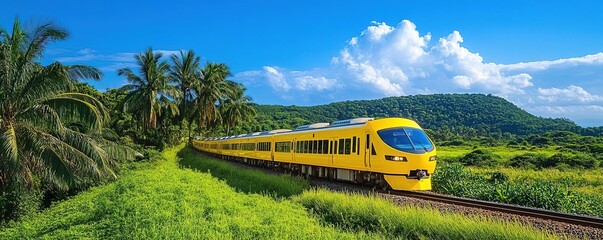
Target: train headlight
(433, 158)
(395, 158)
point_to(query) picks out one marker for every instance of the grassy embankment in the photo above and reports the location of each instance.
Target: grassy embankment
(165, 201)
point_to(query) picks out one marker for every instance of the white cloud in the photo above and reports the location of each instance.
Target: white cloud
(377, 31)
(282, 80)
(398, 60)
(571, 93)
(543, 65)
(276, 79)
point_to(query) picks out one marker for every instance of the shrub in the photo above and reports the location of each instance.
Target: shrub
(457, 142)
(454, 179)
(480, 157)
(528, 161)
(571, 160)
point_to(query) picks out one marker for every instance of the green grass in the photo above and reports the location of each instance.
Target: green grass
(246, 180)
(374, 214)
(172, 203)
(585, 181)
(505, 152)
(168, 202)
(455, 179)
(588, 181)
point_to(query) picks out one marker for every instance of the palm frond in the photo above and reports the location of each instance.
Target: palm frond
(79, 107)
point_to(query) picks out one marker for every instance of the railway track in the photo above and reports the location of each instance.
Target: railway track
(506, 208)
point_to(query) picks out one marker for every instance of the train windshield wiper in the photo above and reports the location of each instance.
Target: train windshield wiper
(424, 148)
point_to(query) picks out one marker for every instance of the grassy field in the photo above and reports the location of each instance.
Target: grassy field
(167, 201)
(585, 181)
(503, 151)
(588, 181)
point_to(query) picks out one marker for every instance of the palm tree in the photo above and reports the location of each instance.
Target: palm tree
(37, 142)
(146, 90)
(185, 73)
(237, 108)
(211, 92)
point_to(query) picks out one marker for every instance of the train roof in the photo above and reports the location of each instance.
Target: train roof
(314, 126)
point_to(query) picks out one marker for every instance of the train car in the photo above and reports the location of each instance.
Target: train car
(390, 152)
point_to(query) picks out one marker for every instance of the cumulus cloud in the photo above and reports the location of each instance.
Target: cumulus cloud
(283, 80)
(276, 79)
(596, 59)
(571, 94)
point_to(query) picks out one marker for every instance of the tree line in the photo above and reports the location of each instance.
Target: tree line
(446, 116)
(59, 135)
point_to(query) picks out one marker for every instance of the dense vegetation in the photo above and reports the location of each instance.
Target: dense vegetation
(448, 116)
(456, 180)
(59, 136)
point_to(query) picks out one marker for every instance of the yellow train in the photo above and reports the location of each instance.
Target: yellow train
(389, 152)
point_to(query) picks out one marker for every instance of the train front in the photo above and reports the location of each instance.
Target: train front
(403, 153)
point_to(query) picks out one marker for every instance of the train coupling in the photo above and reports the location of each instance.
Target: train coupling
(418, 174)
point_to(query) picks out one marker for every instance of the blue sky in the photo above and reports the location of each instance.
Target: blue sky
(544, 56)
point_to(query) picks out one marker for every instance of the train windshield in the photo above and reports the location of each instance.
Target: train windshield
(407, 139)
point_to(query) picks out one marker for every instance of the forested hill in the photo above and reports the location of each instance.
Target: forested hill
(446, 114)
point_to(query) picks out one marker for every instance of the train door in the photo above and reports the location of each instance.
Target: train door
(293, 149)
(367, 150)
(332, 149)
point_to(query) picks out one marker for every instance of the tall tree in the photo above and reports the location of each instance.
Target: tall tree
(237, 108)
(211, 92)
(186, 73)
(36, 108)
(146, 90)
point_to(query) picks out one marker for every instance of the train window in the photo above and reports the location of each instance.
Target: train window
(291, 150)
(325, 146)
(335, 147)
(341, 145)
(358, 152)
(282, 147)
(297, 146)
(319, 147)
(305, 147)
(354, 144)
(373, 152)
(315, 149)
(368, 141)
(311, 146)
(330, 147)
(348, 145)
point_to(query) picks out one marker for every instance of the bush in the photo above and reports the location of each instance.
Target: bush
(528, 161)
(457, 142)
(480, 157)
(19, 203)
(572, 160)
(454, 179)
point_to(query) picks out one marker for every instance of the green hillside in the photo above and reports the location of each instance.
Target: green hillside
(463, 114)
